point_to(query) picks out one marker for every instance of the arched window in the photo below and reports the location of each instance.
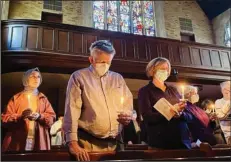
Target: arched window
(227, 34)
(125, 16)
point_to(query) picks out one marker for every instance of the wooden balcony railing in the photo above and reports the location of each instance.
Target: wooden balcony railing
(32, 43)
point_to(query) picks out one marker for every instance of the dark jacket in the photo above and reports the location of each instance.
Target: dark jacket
(173, 134)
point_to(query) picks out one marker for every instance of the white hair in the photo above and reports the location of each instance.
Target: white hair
(190, 88)
(225, 84)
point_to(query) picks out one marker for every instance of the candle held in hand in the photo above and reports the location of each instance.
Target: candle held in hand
(182, 92)
(28, 97)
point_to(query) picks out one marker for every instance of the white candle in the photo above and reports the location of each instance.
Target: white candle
(28, 97)
(182, 92)
(122, 102)
(213, 108)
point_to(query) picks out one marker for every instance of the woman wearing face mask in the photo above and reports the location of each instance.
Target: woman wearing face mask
(199, 125)
(28, 116)
(173, 134)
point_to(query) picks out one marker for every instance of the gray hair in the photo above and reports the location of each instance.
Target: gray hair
(224, 84)
(27, 74)
(102, 46)
(190, 88)
(154, 64)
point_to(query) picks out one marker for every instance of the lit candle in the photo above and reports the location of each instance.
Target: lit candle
(28, 97)
(213, 108)
(122, 102)
(182, 92)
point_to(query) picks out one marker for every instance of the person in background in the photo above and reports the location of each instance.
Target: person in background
(28, 117)
(207, 105)
(173, 134)
(223, 111)
(56, 132)
(199, 124)
(95, 101)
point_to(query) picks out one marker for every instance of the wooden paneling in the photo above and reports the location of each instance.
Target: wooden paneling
(165, 50)
(17, 37)
(88, 39)
(63, 41)
(205, 58)
(196, 59)
(32, 37)
(186, 55)
(153, 49)
(215, 57)
(44, 41)
(5, 33)
(48, 39)
(118, 48)
(78, 43)
(225, 59)
(176, 54)
(142, 50)
(129, 49)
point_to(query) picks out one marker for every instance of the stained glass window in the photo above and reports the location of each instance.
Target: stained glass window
(125, 16)
(228, 34)
(53, 5)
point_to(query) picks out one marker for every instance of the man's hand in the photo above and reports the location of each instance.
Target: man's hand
(26, 113)
(80, 153)
(34, 116)
(124, 118)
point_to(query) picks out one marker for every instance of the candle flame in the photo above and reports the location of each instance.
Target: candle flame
(122, 100)
(182, 87)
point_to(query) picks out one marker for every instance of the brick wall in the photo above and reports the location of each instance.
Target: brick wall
(202, 27)
(4, 10)
(74, 12)
(219, 24)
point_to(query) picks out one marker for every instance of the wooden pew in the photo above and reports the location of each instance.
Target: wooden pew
(183, 155)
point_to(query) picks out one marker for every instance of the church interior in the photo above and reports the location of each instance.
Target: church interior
(55, 36)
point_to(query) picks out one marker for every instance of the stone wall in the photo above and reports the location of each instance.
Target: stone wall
(74, 12)
(219, 24)
(4, 10)
(202, 27)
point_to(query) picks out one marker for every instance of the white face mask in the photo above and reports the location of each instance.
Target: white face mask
(161, 75)
(194, 98)
(101, 68)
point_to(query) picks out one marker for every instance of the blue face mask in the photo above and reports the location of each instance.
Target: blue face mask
(161, 75)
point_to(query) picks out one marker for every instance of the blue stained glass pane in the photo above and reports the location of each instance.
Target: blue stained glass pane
(99, 25)
(124, 7)
(112, 15)
(137, 17)
(148, 9)
(125, 23)
(98, 14)
(148, 18)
